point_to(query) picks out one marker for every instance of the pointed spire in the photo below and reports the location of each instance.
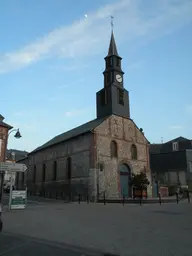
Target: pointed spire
(112, 46)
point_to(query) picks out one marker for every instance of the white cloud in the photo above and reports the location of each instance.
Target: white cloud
(134, 18)
(175, 127)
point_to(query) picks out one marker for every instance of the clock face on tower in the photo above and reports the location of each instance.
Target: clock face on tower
(119, 78)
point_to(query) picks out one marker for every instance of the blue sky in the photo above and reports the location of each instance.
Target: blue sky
(52, 59)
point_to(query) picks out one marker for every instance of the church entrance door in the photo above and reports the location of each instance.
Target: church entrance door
(124, 180)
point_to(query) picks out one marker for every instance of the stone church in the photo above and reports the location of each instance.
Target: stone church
(98, 156)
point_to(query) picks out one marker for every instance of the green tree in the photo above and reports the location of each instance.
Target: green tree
(139, 180)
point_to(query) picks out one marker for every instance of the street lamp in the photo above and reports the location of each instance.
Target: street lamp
(17, 134)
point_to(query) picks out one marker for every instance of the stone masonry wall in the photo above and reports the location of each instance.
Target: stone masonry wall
(125, 133)
(79, 150)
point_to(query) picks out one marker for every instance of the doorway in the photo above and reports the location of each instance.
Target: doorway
(125, 173)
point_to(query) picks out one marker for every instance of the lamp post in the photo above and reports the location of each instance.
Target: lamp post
(17, 136)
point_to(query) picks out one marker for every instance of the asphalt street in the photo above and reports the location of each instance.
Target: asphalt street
(12, 245)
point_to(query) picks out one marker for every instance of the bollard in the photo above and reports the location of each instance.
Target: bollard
(160, 198)
(79, 198)
(177, 197)
(140, 200)
(123, 201)
(87, 199)
(104, 199)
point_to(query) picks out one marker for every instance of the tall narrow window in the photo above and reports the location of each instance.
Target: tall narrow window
(34, 173)
(113, 149)
(69, 168)
(101, 167)
(111, 61)
(43, 172)
(133, 152)
(118, 62)
(54, 170)
(120, 96)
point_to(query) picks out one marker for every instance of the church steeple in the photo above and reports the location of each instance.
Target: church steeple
(113, 98)
(112, 46)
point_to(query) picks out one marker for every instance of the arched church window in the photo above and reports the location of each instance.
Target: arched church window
(69, 162)
(133, 152)
(113, 149)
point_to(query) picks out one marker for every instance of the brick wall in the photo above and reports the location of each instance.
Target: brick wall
(3, 142)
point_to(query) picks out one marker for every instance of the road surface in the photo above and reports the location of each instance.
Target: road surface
(127, 230)
(12, 245)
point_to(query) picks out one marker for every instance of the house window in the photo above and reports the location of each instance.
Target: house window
(133, 152)
(113, 149)
(34, 173)
(43, 172)
(190, 167)
(120, 96)
(175, 146)
(54, 170)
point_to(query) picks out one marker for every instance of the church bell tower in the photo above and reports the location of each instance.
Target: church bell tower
(113, 98)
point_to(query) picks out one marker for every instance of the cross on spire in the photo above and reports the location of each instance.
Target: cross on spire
(112, 24)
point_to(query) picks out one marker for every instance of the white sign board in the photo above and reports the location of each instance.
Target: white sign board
(18, 199)
(12, 167)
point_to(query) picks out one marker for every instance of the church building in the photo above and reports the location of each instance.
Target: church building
(99, 156)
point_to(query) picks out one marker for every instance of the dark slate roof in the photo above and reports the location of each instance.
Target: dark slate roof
(82, 129)
(1, 117)
(5, 125)
(19, 154)
(155, 148)
(22, 159)
(178, 139)
(112, 46)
